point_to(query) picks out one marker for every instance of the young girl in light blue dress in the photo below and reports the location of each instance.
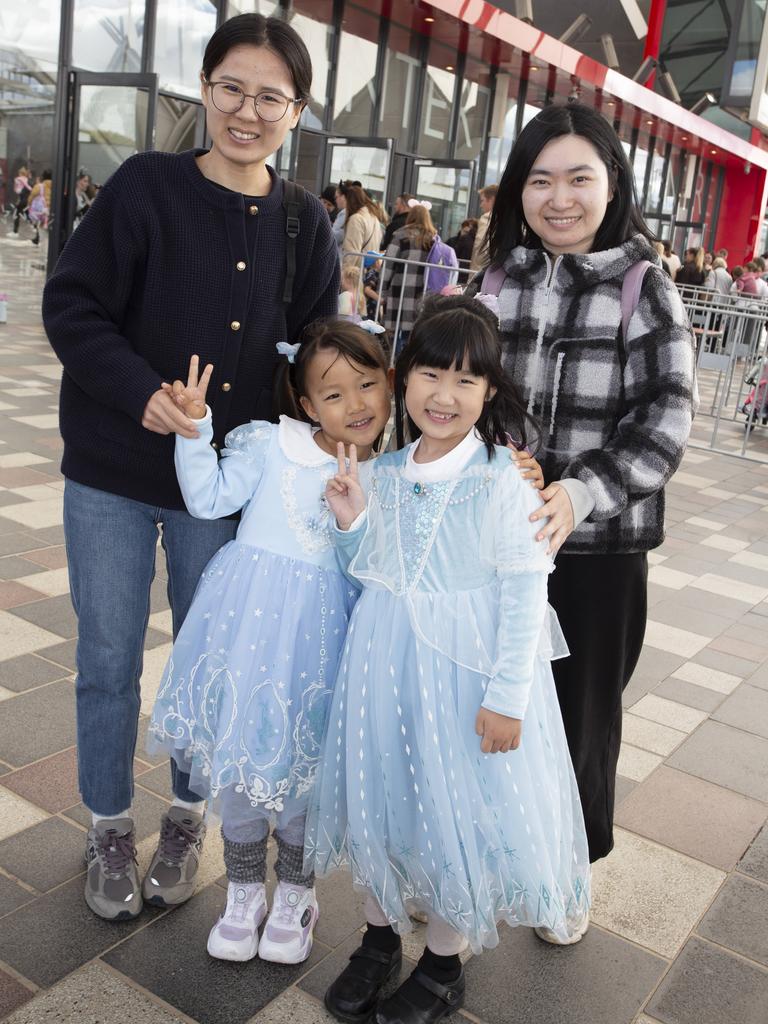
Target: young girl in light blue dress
(244, 699)
(446, 782)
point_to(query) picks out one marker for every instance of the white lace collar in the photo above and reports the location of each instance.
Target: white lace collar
(297, 443)
(446, 467)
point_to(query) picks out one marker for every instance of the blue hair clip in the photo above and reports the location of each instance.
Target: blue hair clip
(372, 327)
(288, 350)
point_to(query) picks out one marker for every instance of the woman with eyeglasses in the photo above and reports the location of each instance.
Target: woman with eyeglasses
(207, 253)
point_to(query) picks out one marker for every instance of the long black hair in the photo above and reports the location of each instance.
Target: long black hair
(349, 340)
(256, 30)
(622, 220)
(451, 331)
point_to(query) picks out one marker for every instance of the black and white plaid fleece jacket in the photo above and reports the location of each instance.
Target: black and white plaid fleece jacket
(614, 413)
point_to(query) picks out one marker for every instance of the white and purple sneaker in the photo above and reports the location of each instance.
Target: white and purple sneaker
(235, 936)
(287, 937)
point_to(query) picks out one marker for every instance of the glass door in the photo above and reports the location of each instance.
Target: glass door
(368, 161)
(448, 186)
(109, 118)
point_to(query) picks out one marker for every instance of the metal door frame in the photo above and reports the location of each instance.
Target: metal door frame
(64, 177)
(341, 140)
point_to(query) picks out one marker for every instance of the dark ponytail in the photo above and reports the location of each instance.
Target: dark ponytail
(343, 336)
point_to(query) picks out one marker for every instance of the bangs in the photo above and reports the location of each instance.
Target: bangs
(450, 340)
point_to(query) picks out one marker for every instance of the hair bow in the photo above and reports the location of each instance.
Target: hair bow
(288, 350)
(372, 327)
(420, 202)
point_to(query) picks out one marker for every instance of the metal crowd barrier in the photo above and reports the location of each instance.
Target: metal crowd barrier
(731, 363)
(731, 355)
(414, 273)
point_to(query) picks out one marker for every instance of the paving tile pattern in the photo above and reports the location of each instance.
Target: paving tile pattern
(679, 932)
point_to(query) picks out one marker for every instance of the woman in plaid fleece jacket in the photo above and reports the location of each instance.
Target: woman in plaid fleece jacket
(614, 412)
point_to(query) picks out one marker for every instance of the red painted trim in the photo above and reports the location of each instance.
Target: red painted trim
(701, 134)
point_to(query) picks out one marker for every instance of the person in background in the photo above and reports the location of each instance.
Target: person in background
(351, 301)
(22, 189)
(708, 257)
(399, 214)
(362, 227)
(659, 247)
(83, 196)
(479, 256)
(723, 279)
(371, 277)
(402, 283)
(39, 205)
(693, 271)
(328, 199)
(463, 243)
(672, 258)
(723, 254)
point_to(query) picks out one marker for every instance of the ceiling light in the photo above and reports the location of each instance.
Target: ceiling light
(430, 20)
(578, 27)
(668, 87)
(449, 67)
(609, 52)
(704, 103)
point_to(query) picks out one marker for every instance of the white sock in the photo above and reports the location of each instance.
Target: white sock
(96, 818)
(198, 806)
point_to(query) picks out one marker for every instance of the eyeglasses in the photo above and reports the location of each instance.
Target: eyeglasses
(229, 98)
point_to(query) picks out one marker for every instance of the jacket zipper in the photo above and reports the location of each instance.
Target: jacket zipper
(551, 272)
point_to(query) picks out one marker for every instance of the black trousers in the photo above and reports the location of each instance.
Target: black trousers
(601, 602)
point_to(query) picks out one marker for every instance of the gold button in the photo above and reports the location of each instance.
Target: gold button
(226, 387)
(240, 265)
(235, 325)
(215, 444)
(253, 210)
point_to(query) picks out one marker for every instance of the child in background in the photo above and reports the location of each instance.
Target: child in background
(243, 702)
(446, 781)
(351, 300)
(372, 270)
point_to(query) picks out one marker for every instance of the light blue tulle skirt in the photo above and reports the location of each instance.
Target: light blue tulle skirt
(406, 798)
(244, 699)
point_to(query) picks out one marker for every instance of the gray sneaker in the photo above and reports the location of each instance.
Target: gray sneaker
(112, 888)
(172, 874)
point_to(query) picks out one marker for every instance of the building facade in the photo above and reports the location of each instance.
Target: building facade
(406, 97)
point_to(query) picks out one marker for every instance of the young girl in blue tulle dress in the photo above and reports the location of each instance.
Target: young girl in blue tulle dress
(446, 783)
(244, 699)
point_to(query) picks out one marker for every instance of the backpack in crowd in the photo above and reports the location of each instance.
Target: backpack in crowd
(436, 278)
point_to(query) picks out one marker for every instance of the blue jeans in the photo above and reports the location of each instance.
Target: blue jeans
(111, 543)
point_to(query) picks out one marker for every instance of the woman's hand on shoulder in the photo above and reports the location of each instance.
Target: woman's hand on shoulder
(558, 512)
(499, 732)
(343, 492)
(530, 469)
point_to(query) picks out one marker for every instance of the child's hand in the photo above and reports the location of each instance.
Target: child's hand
(529, 468)
(190, 397)
(343, 492)
(499, 733)
(559, 511)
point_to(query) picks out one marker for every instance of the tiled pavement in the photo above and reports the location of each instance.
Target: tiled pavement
(680, 917)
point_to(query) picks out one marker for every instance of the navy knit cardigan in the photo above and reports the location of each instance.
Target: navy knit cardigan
(166, 265)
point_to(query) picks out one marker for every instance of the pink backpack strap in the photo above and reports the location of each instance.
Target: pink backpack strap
(493, 279)
(630, 292)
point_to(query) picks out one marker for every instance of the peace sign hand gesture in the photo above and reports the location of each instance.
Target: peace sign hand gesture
(190, 397)
(343, 492)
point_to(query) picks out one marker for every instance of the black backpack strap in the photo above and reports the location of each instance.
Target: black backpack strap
(293, 200)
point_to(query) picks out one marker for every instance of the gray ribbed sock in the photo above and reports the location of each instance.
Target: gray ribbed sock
(245, 862)
(290, 864)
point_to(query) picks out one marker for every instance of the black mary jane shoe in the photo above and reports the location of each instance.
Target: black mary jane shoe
(398, 1009)
(352, 997)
